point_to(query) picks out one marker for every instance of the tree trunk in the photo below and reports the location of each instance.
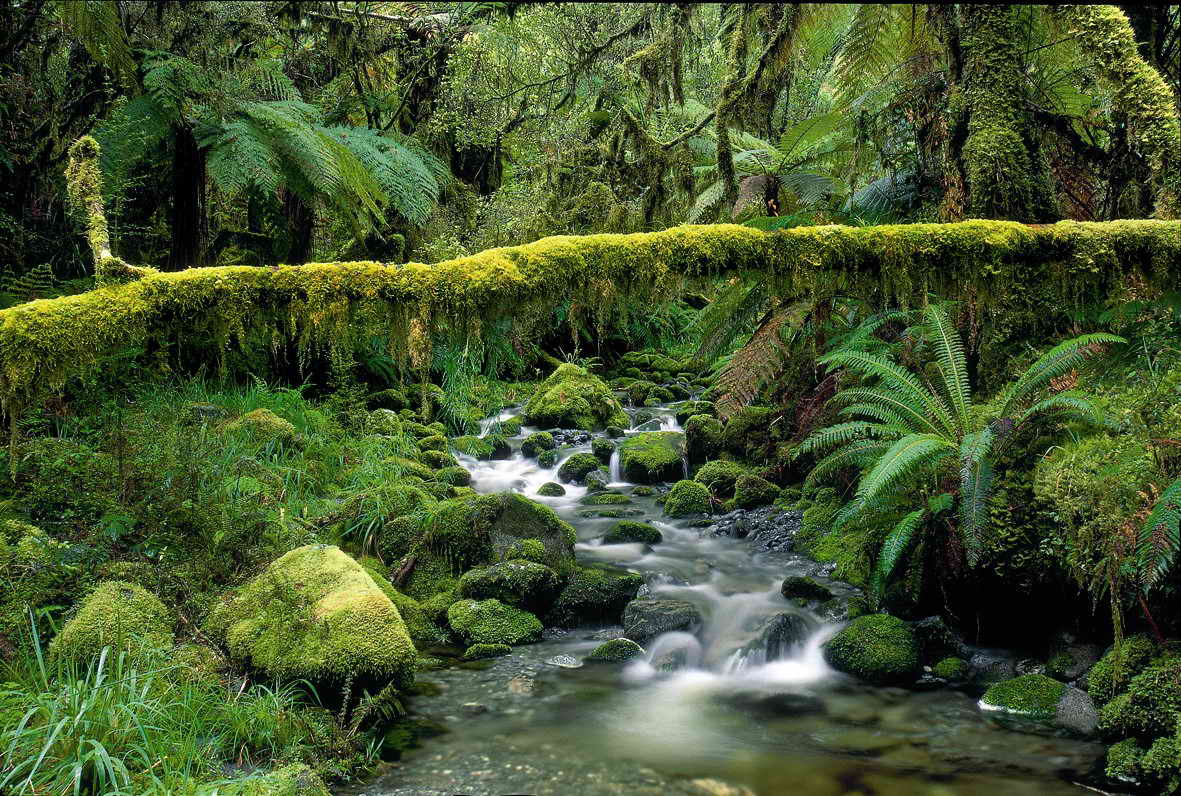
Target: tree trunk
(300, 221)
(189, 223)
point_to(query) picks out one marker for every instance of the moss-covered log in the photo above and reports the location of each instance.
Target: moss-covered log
(330, 306)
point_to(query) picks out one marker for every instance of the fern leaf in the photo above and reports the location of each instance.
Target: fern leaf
(898, 380)
(754, 365)
(855, 454)
(975, 486)
(893, 548)
(1062, 358)
(1160, 537)
(882, 414)
(904, 406)
(949, 350)
(1066, 405)
(844, 433)
(905, 457)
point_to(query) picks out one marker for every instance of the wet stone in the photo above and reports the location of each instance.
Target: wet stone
(644, 620)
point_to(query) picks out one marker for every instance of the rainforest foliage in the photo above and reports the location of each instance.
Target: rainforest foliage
(270, 271)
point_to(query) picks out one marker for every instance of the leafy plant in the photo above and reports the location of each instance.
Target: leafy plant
(1160, 537)
(915, 434)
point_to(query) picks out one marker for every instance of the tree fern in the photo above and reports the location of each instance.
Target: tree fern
(1160, 537)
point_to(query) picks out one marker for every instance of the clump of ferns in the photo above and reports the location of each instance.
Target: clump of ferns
(1157, 543)
(921, 434)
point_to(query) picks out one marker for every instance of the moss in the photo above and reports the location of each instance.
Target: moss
(952, 668)
(1031, 695)
(653, 456)
(536, 443)
(493, 622)
(547, 459)
(878, 648)
(1123, 761)
(422, 629)
(316, 614)
(643, 490)
(629, 531)
(748, 434)
(751, 491)
(436, 606)
(573, 398)
(1151, 706)
(296, 779)
(687, 409)
(263, 425)
(551, 489)
(34, 574)
(391, 400)
(1161, 765)
(483, 448)
(1118, 666)
(720, 477)
(383, 421)
(513, 518)
(577, 467)
(455, 476)
(436, 460)
(605, 499)
(477, 652)
(120, 615)
(196, 663)
(616, 651)
(519, 583)
(603, 449)
(798, 587)
(703, 438)
(594, 595)
(527, 550)
(435, 442)
(638, 391)
(686, 498)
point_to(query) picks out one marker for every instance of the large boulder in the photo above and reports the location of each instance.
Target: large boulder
(720, 477)
(751, 491)
(877, 648)
(687, 498)
(594, 595)
(120, 615)
(653, 456)
(493, 622)
(316, 614)
(644, 620)
(1036, 703)
(577, 467)
(573, 398)
(748, 434)
(519, 583)
(703, 438)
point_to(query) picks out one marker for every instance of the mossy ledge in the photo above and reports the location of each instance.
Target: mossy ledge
(331, 306)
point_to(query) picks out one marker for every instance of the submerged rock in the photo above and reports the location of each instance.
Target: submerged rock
(644, 620)
(878, 648)
(774, 638)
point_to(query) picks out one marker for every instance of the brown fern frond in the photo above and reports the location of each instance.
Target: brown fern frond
(752, 366)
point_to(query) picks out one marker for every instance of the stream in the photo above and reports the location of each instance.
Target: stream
(729, 710)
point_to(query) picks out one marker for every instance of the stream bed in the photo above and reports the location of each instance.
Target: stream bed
(726, 710)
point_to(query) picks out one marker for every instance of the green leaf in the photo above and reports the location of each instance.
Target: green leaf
(893, 548)
(1160, 537)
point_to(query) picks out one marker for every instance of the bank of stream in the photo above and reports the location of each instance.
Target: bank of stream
(740, 701)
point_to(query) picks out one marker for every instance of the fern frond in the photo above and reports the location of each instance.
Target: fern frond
(893, 548)
(953, 364)
(905, 457)
(899, 405)
(754, 365)
(1065, 405)
(844, 433)
(855, 454)
(975, 487)
(707, 202)
(878, 412)
(896, 379)
(1160, 537)
(1062, 358)
(98, 26)
(729, 315)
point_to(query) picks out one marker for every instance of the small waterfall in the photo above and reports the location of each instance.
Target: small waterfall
(615, 468)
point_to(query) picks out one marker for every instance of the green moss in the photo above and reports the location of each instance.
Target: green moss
(436, 460)
(316, 614)
(383, 421)
(1123, 761)
(477, 652)
(653, 456)
(1151, 706)
(551, 489)
(34, 574)
(577, 467)
(878, 648)
(638, 391)
(391, 400)
(686, 498)
(537, 442)
(120, 615)
(603, 449)
(953, 669)
(1031, 695)
(435, 442)
(408, 467)
(605, 499)
(519, 583)
(422, 629)
(263, 425)
(573, 398)
(803, 588)
(476, 447)
(629, 531)
(1115, 670)
(751, 491)
(455, 476)
(616, 651)
(720, 477)
(748, 434)
(594, 595)
(528, 550)
(703, 438)
(687, 409)
(493, 622)
(296, 779)
(547, 459)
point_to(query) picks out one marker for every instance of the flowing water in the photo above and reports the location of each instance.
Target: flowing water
(719, 711)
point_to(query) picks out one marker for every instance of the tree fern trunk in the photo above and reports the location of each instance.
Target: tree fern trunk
(189, 223)
(300, 221)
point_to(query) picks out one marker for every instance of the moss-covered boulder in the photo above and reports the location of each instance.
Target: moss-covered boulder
(878, 648)
(720, 477)
(653, 456)
(478, 652)
(952, 669)
(751, 491)
(1036, 703)
(646, 619)
(617, 650)
(703, 438)
(573, 398)
(520, 583)
(424, 631)
(454, 476)
(1116, 669)
(551, 489)
(263, 425)
(687, 498)
(687, 409)
(594, 595)
(798, 587)
(32, 575)
(296, 779)
(748, 434)
(120, 615)
(316, 614)
(493, 622)
(630, 531)
(577, 467)
(603, 449)
(1151, 705)
(436, 459)
(536, 443)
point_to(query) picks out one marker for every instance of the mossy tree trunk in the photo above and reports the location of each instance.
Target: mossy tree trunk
(300, 222)
(1005, 172)
(189, 222)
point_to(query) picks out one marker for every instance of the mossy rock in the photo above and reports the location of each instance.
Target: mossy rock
(703, 438)
(121, 615)
(751, 491)
(547, 459)
(577, 467)
(953, 669)
(628, 531)
(198, 412)
(385, 422)
(551, 489)
(638, 390)
(594, 595)
(878, 648)
(519, 583)
(803, 588)
(651, 457)
(435, 442)
(493, 622)
(615, 432)
(573, 398)
(316, 614)
(1123, 764)
(296, 779)
(32, 575)
(536, 443)
(436, 460)
(423, 630)
(617, 650)
(643, 490)
(603, 449)
(605, 499)
(411, 468)
(513, 518)
(687, 409)
(1116, 669)
(392, 400)
(747, 435)
(263, 425)
(478, 652)
(1151, 705)
(481, 448)
(687, 498)
(455, 476)
(1036, 703)
(720, 477)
